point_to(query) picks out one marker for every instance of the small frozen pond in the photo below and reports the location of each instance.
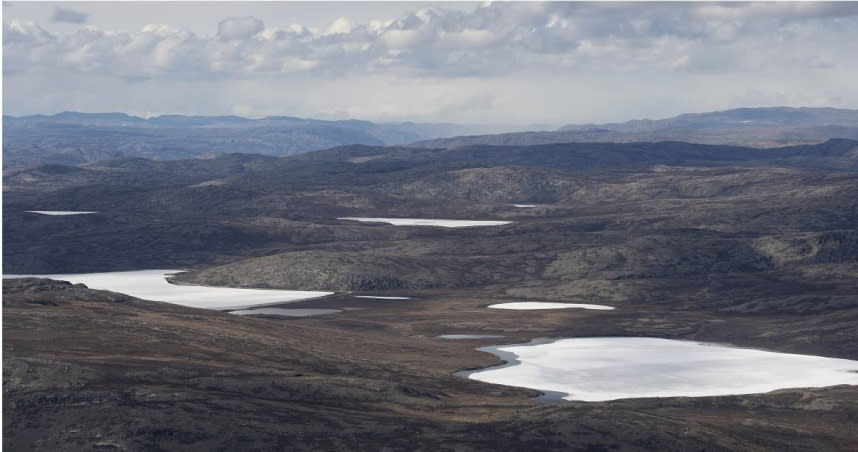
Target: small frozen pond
(60, 212)
(428, 222)
(153, 285)
(608, 368)
(529, 305)
(286, 312)
(470, 336)
(382, 298)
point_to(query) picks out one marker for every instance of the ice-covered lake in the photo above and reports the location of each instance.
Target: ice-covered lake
(428, 222)
(153, 285)
(608, 368)
(537, 305)
(296, 312)
(60, 212)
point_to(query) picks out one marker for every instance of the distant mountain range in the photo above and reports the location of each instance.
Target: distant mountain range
(73, 138)
(739, 118)
(756, 127)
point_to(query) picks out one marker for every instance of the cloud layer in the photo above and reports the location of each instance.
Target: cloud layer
(494, 42)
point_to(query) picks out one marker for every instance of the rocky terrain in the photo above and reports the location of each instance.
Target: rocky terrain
(88, 370)
(753, 247)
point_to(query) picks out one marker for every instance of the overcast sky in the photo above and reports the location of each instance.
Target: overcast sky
(492, 63)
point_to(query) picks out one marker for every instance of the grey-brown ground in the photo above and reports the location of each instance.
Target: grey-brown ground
(686, 241)
(86, 369)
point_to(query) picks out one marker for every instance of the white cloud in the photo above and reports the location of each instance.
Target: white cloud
(435, 42)
(497, 46)
(239, 28)
(340, 26)
(26, 33)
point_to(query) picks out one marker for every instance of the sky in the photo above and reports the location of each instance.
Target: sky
(478, 63)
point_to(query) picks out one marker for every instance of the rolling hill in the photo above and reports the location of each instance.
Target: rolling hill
(757, 127)
(73, 138)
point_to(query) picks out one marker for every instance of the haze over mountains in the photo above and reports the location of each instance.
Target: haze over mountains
(757, 127)
(72, 138)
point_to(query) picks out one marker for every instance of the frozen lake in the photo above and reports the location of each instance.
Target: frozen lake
(297, 312)
(60, 212)
(535, 305)
(428, 222)
(608, 368)
(153, 285)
